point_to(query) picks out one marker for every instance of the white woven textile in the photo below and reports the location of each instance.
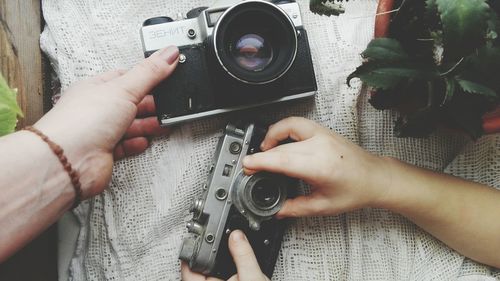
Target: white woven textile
(134, 229)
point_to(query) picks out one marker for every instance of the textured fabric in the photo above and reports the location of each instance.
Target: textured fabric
(133, 230)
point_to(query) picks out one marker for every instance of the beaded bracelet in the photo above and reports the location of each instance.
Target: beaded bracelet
(59, 152)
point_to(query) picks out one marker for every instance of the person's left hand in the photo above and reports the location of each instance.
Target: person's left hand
(244, 258)
(94, 121)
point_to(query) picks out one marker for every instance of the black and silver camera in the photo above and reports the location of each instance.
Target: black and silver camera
(232, 200)
(235, 55)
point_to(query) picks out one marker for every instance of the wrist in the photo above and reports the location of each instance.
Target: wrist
(94, 166)
(386, 183)
(408, 190)
(50, 182)
(95, 170)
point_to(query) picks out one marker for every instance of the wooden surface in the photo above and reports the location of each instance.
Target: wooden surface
(21, 63)
(20, 55)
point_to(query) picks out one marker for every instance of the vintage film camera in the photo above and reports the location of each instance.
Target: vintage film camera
(232, 200)
(234, 55)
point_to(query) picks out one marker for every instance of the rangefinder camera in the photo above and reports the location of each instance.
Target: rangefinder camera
(234, 55)
(232, 200)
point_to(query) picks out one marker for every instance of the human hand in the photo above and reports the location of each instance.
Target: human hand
(244, 258)
(95, 118)
(342, 175)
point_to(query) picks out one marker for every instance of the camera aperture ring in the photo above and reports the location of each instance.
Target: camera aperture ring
(244, 199)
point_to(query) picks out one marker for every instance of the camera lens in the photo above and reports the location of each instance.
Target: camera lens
(260, 196)
(252, 52)
(255, 42)
(265, 193)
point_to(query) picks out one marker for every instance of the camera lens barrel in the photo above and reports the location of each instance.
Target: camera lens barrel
(263, 192)
(255, 42)
(260, 196)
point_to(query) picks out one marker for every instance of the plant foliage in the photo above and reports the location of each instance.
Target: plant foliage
(439, 66)
(327, 7)
(9, 110)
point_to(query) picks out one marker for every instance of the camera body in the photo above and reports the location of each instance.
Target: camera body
(235, 55)
(232, 200)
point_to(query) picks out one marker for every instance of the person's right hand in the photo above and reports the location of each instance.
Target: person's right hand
(244, 259)
(342, 175)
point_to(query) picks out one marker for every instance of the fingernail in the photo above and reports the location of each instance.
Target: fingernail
(238, 236)
(263, 146)
(170, 54)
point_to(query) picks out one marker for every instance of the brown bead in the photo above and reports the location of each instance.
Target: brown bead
(59, 152)
(67, 167)
(63, 159)
(75, 180)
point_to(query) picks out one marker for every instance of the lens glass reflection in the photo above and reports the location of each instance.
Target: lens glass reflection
(265, 193)
(252, 52)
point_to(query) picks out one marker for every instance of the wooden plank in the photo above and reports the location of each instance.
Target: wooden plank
(21, 62)
(20, 55)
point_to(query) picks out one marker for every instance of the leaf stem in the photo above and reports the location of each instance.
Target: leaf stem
(453, 68)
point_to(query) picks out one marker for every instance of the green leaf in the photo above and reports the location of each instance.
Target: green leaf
(431, 13)
(9, 110)
(451, 86)
(388, 75)
(379, 80)
(493, 32)
(385, 49)
(326, 7)
(464, 25)
(475, 88)
(431, 6)
(483, 67)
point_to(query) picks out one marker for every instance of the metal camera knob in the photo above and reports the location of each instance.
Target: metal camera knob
(196, 207)
(187, 250)
(194, 227)
(194, 13)
(157, 20)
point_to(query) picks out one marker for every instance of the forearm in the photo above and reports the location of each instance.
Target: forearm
(464, 215)
(35, 190)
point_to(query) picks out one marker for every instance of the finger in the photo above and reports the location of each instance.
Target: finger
(302, 206)
(294, 165)
(146, 107)
(146, 127)
(296, 128)
(249, 172)
(188, 275)
(130, 147)
(244, 257)
(148, 73)
(283, 148)
(107, 76)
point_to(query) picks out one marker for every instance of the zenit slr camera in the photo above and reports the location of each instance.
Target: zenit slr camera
(235, 55)
(232, 200)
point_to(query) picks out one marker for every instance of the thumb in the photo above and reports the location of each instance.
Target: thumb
(302, 206)
(244, 258)
(141, 79)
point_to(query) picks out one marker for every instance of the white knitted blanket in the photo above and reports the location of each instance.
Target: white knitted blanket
(133, 230)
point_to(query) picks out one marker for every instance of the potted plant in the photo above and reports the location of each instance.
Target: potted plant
(9, 109)
(437, 63)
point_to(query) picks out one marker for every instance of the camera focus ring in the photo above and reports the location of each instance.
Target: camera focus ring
(255, 42)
